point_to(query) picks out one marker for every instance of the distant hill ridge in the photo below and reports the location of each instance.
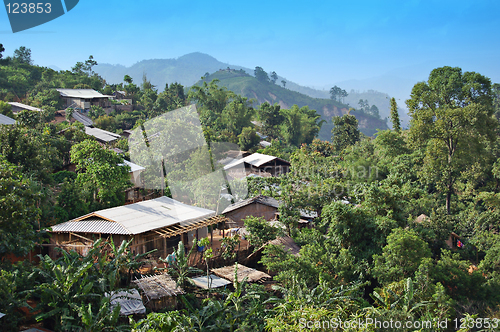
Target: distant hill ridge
(248, 86)
(189, 68)
(186, 70)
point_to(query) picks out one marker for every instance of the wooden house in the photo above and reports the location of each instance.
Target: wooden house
(83, 98)
(260, 206)
(158, 223)
(257, 163)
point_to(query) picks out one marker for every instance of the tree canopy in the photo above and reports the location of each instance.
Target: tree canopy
(452, 122)
(101, 173)
(346, 132)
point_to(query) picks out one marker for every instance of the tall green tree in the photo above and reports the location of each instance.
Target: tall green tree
(335, 93)
(452, 122)
(30, 150)
(260, 231)
(300, 125)
(401, 257)
(338, 94)
(101, 172)
(274, 77)
(396, 125)
(496, 99)
(248, 138)
(23, 55)
(261, 75)
(18, 211)
(221, 110)
(270, 117)
(346, 132)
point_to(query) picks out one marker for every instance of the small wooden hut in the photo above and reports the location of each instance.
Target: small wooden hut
(159, 291)
(261, 206)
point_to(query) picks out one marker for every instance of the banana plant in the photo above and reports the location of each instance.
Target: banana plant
(405, 303)
(180, 267)
(104, 318)
(73, 288)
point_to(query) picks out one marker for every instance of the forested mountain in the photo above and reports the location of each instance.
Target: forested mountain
(262, 91)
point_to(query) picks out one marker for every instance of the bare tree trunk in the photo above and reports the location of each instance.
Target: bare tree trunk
(448, 201)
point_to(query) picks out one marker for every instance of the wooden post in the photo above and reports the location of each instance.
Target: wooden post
(165, 246)
(162, 178)
(211, 236)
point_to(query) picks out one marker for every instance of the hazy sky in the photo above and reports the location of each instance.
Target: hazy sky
(312, 43)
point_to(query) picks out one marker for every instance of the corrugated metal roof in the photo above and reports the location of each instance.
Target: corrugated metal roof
(5, 120)
(81, 93)
(133, 167)
(139, 217)
(26, 107)
(215, 281)
(82, 118)
(102, 135)
(91, 225)
(255, 159)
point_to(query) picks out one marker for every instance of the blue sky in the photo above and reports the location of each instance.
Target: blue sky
(312, 43)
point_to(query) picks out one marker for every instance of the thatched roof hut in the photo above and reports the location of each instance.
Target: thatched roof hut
(159, 290)
(252, 275)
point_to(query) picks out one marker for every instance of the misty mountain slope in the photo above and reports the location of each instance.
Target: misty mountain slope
(382, 101)
(248, 86)
(189, 68)
(186, 70)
